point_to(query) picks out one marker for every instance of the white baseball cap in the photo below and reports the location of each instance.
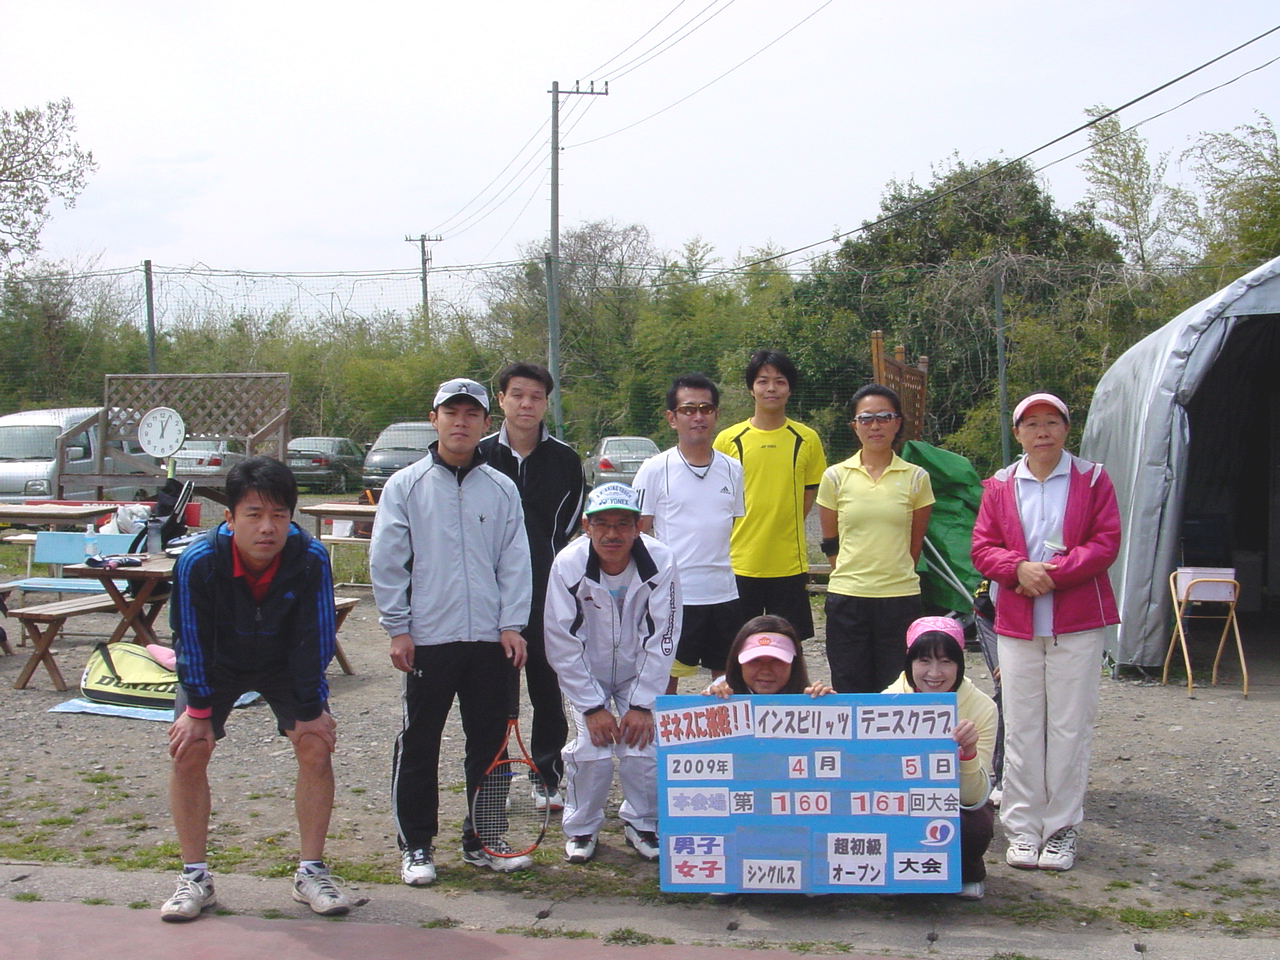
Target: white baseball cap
(461, 387)
(613, 496)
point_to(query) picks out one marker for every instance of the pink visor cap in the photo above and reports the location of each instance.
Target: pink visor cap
(1047, 398)
(767, 645)
(940, 624)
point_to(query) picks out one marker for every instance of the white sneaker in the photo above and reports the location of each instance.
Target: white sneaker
(1023, 855)
(543, 800)
(973, 890)
(483, 858)
(417, 867)
(1059, 851)
(580, 849)
(193, 895)
(645, 842)
(321, 892)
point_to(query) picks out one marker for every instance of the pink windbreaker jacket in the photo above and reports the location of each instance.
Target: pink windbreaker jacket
(1083, 599)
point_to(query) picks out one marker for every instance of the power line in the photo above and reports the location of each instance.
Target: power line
(596, 71)
(709, 83)
(1004, 166)
(631, 64)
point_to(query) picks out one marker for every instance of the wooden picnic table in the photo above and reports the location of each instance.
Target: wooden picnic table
(338, 511)
(155, 572)
(51, 514)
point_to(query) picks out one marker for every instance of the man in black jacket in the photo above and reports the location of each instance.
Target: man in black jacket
(253, 609)
(549, 476)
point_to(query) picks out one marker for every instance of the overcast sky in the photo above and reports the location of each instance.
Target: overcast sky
(314, 136)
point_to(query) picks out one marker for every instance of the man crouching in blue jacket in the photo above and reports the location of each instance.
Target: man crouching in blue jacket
(253, 609)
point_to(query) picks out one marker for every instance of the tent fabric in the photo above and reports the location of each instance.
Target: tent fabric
(957, 490)
(1139, 428)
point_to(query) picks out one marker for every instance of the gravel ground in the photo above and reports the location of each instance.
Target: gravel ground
(1182, 806)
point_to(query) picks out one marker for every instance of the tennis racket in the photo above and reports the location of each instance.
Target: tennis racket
(504, 812)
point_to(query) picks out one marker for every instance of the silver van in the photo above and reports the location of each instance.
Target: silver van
(29, 457)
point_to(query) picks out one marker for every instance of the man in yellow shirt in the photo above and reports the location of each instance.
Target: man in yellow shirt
(782, 461)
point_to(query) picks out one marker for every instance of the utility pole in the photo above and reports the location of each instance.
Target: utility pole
(422, 240)
(553, 260)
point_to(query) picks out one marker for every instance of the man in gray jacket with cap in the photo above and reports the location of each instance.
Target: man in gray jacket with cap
(451, 577)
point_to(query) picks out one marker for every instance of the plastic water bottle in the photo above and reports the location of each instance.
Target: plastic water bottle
(154, 544)
(90, 540)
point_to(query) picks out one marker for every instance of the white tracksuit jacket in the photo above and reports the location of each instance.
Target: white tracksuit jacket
(598, 654)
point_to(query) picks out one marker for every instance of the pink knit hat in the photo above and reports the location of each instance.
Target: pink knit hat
(941, 624)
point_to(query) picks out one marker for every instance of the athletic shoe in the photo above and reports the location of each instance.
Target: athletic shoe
(1059, 851)
(580, 849)
(320, 891)
(973, 890)
(1023, 855)
(194, 893)
(542, 799)
(483, 858)
(417, 867)
(645, 842)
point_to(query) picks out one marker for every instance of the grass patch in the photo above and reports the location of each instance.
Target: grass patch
(140, 905)
(550, 933)
(27, 896)
(630, 937)
(1118, 885)
(441, 923)
(57, 821)
(99, 776)
(96, 901)
(1156, 919)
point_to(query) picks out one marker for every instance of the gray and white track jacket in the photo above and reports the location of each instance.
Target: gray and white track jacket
(450, 558)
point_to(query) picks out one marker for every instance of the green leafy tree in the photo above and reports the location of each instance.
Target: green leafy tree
(1239, 173)
(39, 161)
(1128, 190)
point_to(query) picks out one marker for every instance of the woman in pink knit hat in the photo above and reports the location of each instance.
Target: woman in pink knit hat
(935, 664)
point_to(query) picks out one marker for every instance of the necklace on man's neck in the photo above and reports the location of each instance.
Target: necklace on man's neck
(704, 467)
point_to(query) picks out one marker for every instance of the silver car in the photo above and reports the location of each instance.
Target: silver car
(617, 459)
(204, 458)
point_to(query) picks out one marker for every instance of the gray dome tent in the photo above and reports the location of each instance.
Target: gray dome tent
(1187, 423)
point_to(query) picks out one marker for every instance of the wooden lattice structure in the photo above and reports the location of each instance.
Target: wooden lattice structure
(252, 408)
(910, 383)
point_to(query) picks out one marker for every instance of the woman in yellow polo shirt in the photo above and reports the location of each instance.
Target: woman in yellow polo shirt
(874, 509)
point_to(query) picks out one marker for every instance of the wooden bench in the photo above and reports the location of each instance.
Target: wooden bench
(819, 576)
(42, 624)
(344, 606)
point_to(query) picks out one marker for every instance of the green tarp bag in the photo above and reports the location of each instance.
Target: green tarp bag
(125, 673)
(947, 576)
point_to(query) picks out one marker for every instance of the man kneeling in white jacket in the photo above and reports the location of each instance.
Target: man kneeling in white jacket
(612, 618)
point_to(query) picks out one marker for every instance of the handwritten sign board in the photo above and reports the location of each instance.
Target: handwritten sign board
(848, 793)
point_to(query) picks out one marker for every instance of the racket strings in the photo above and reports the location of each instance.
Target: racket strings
(504, 814)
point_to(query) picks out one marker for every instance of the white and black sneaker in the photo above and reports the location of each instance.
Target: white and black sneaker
(418, 867)
(544, 799)
(645, 842)
(1059, 851)
(580, 849)
(194, 894)
(507, 864)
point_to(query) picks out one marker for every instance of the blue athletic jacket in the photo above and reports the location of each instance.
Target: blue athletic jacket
(220, 631)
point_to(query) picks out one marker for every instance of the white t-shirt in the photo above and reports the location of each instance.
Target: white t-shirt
(693, 510)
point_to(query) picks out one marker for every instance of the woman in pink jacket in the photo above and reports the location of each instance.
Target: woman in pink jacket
(1047, 531)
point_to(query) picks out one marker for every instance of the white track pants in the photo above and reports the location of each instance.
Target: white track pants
(1050, 689)
(588, 775)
